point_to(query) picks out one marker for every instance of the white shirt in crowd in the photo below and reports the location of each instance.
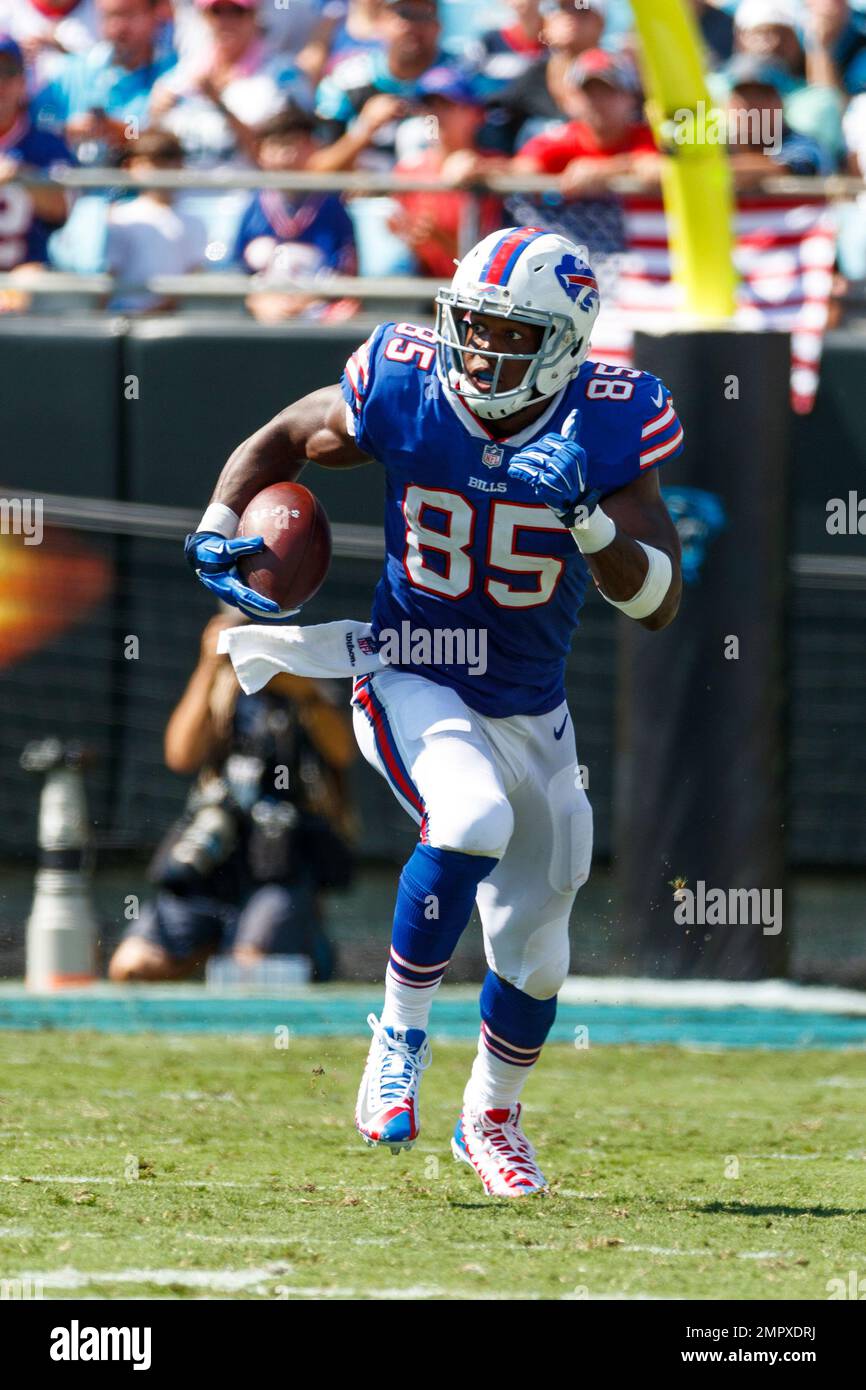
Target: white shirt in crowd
(206, 136)
(146, 238)
(854, 128)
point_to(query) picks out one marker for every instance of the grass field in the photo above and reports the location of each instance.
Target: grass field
(208, 1166)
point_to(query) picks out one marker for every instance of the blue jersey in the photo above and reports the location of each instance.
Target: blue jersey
(317, 220)
(23, 235)
(479, 574)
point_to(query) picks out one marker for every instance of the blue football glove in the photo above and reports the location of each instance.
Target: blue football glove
(214, 559)
(555, 469)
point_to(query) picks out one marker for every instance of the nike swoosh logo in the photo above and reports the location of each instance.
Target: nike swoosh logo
(661, 398)
(557, 733)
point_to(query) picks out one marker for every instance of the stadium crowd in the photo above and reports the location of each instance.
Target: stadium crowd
(430, 89)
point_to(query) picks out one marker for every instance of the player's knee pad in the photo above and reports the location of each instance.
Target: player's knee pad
(466, 804)
(537, 962)
(547, 979)
(571, 814)
(479, 825)
(545, 960)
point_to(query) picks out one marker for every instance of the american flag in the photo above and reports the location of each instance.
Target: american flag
(784, 255)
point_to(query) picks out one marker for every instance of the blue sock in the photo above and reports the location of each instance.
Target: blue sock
(434, 903)
(514, 1028)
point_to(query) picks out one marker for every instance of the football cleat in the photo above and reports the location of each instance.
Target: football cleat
(492, 1142)
(387, 1110)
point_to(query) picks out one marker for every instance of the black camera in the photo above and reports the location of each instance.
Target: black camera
(200, 842)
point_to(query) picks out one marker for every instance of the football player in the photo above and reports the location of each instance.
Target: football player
(515, 471)
(28, 216)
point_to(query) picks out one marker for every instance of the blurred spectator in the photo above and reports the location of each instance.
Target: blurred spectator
(101, 97)
(361, 103)
(49, 30)
(431, 223)
(99, 100)
(717, 31)
(768, 30)
(244, 868)
(146, 235)
(835, 45)
(213, 102)
(27, 215)
(535, 99)
(342, 30)
(759, 140)
(275, 224)
(852, 216)
(606, 137)
(360, 106)
(272, 302)
(506, 53)
(855, 136)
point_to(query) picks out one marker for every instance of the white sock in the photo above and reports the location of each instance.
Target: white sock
(407, 1006)
(494, 1084)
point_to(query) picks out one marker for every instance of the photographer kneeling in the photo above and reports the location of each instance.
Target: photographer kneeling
(265, 829)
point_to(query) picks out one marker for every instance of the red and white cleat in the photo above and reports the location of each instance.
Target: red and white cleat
(493, 1143)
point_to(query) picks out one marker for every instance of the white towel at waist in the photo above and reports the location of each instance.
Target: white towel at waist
(260, 652)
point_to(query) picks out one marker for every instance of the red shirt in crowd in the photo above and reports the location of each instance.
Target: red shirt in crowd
(553, 150)
(444, 211)
(515, 38)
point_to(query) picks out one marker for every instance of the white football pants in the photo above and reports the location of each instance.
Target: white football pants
(508, 788)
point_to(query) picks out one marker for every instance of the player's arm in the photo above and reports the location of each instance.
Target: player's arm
(314, 429)
(643, 530)
(630, 545)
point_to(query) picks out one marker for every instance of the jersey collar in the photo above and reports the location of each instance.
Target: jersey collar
(478, 427)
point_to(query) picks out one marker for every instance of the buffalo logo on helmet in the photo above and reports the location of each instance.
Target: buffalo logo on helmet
(575, 276)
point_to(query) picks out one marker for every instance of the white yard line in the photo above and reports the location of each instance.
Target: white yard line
(673, 1250)
(792, 1158)
(36, 1178)
(766, 1255)
(289, 1237)
(372, 1241)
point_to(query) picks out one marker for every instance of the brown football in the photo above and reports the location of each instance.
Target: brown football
(293, 565)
